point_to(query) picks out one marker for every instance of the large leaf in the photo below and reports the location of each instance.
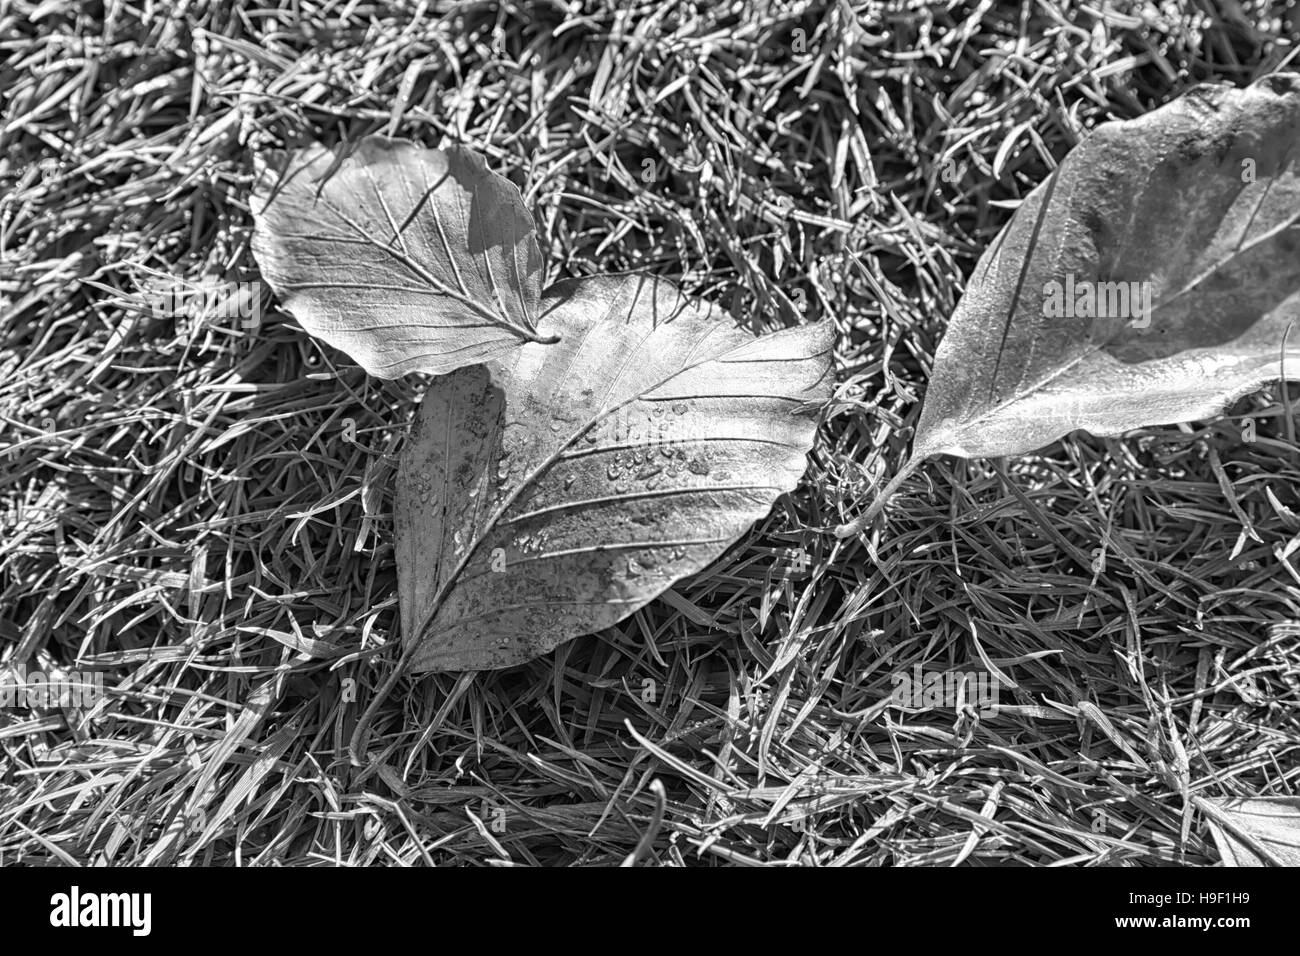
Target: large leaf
(554, 493)
(407, 259)
(1256, 831)
(1196, 205)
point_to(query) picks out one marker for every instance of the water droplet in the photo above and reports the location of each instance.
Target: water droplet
(620, 488)
(613, 470)
(633, 569)
(568, 481)
(679, 408)
(555, 426)
(699, 466)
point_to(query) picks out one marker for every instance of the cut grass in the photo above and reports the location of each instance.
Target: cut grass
(183, 515)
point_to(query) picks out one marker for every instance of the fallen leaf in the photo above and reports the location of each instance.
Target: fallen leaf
(1256, 831)
(408, 259)
(552, 494)
(1152, 279)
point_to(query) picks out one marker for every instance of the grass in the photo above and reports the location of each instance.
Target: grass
(183, 515)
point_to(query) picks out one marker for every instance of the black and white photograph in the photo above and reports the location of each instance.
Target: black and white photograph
(602, 434)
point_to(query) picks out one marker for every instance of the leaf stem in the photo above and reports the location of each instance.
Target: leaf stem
(857, 524)
(360, 733)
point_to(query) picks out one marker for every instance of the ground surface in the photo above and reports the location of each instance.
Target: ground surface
(182, 514)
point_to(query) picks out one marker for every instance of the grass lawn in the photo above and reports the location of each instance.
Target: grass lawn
(197, 508)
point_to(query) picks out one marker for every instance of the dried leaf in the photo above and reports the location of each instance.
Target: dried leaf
(1151, 280)
(1256, 832)
(554, 493)
(407, 259)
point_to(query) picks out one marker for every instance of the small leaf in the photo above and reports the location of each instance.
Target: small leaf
(1256, 831)
(1152, 279)
(407, 259)
(554, 493)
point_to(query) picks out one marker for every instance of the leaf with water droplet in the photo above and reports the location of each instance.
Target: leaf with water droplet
(1152, 279)
(607, 545)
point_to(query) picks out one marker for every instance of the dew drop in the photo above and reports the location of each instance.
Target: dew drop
(679, 408)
